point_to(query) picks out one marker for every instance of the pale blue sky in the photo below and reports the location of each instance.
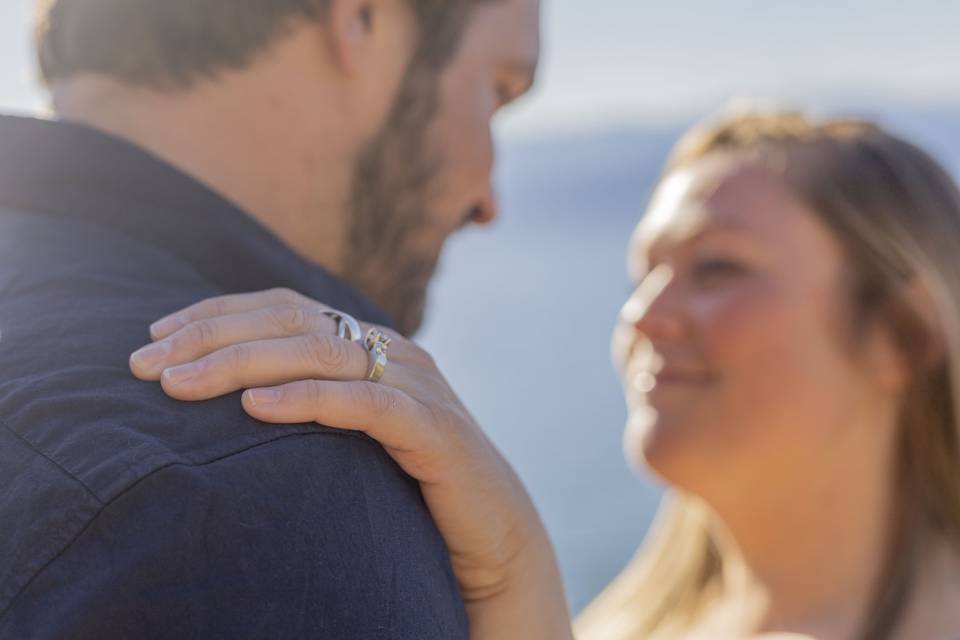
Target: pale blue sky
(640, 61)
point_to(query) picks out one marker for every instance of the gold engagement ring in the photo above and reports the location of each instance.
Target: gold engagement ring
(377, 344)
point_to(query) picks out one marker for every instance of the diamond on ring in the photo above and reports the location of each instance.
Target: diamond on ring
(376, 337)
(377, 344)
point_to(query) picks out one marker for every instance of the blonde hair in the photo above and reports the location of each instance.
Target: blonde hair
(896, 213)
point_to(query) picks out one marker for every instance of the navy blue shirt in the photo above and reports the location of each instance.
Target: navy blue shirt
(127, 514)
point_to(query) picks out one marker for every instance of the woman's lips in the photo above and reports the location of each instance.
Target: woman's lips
(677, 376)
(647, 381)
(648, 369)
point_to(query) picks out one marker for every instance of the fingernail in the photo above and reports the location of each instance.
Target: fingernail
(183, 373)
(261, 397)
(166, 326)
(151, 355)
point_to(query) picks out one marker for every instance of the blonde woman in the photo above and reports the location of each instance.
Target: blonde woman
(790, 360)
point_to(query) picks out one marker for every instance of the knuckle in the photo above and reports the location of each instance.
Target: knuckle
(186, 316)
(240, 356)
(291, 319)
(313, 393)
(203, 334)
(220, 306)
(191, 314)
(377, 398)
(285, 295)
(327, 352)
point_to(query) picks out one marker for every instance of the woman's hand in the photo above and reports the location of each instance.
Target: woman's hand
(281, 347)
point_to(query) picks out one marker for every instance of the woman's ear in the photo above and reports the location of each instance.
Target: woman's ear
(909, 340)
(887, 362)
(921, 298)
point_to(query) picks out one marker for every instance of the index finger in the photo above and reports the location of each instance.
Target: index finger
(224, 305)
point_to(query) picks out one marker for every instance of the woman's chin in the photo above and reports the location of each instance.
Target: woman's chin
(651, 445)
(639, 436)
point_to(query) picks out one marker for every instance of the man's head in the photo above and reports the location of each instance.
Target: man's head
(358, 131)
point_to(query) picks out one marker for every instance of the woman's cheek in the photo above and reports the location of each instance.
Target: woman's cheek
(733, 322)
(751, 345)
(760, 346)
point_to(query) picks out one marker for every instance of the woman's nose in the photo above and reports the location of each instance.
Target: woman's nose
(651, 310)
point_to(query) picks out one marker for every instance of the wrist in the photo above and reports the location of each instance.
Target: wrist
(529, 603)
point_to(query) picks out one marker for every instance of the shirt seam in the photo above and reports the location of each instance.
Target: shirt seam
(105, 505)
(69, 474)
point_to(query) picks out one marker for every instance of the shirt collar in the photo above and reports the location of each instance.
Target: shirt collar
(67, 169)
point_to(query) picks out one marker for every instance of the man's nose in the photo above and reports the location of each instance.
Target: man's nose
(486, 209)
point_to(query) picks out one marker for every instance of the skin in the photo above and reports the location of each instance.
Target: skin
(423, 179)
(746, 385)
(760, 353)
(292, 138)
(280, 346)
(723, 322)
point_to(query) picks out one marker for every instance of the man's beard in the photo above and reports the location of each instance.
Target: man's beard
(391, 257)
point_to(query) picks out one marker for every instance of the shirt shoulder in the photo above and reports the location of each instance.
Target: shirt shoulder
(310, 535)
(80, 437)
(76, 299)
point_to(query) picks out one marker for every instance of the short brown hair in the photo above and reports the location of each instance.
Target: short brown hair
(169, 44)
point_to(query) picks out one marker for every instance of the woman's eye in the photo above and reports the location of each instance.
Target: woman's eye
(717, 268)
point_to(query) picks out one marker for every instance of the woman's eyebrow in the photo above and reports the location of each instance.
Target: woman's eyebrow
(722, 226)
(714, 228)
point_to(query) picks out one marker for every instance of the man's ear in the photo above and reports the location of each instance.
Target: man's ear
(349, 26)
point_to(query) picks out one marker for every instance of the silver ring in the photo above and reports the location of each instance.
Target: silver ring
(377, 344)
(347, 326)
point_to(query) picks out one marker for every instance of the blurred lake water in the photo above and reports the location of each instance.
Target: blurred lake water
(521, 316)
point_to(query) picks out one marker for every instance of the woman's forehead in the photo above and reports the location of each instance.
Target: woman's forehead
(728, 196)
(701, 197)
